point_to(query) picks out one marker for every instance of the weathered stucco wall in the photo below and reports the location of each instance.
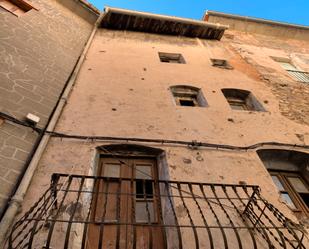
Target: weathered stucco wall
(135, 96)
(38, 51)
(123, 91)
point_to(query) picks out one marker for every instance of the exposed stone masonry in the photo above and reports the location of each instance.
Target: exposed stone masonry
(293, 96)
(38, 51)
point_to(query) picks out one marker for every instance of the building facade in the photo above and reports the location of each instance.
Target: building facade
(176, 133)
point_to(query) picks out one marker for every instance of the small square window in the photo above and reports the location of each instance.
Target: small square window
(171, 58)
(221, 64)
(188, 96)
(16, 7)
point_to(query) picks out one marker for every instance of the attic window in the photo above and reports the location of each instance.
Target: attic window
(16, 7)
(188, 96)
(172, 58)
(242, 100)
(221, 63)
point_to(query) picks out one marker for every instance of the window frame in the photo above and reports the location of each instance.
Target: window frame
(243, 98)
(186, 97)
(146, 179)
(294, 195)
(188, 93)
(237, 102)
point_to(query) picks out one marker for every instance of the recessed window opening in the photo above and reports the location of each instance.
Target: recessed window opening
(16, 7)
(188, 96)
(171, 58)
(221, 63)
(242, 100)
(292, 70)
(289, 174)
(185, 102)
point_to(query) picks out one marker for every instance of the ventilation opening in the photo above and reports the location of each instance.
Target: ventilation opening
(171, 58)
(242, 100)
(221, 64)
(188, 96)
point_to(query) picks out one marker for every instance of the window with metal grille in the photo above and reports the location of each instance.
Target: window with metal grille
(221, 63)
(16, 7)
(292, 70)
(171, 58)
(188, 96)
(242, 100)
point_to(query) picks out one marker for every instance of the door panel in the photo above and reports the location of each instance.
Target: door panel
(120, 203)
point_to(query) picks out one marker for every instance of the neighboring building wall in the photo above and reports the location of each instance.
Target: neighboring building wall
(256, 48)
(293, 95)
(259, 26)
(123, 91)
(38, 51)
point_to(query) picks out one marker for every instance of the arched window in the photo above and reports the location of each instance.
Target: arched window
(242, 100)
(188, 96)
(288, 170)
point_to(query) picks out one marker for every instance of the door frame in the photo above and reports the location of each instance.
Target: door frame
(136, 151)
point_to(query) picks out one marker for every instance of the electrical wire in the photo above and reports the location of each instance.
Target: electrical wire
(88, 138)
(161, 141)
(193, 143)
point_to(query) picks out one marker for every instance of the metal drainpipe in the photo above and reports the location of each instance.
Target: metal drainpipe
(17, 199)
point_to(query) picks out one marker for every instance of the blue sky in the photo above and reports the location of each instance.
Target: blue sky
(291, 11)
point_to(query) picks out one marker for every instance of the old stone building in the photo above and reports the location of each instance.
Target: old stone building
(176, 133)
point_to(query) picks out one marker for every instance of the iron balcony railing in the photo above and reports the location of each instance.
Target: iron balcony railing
(80, 211)
(299, 75)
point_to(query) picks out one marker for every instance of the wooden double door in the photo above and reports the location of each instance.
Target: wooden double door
(126, 208)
